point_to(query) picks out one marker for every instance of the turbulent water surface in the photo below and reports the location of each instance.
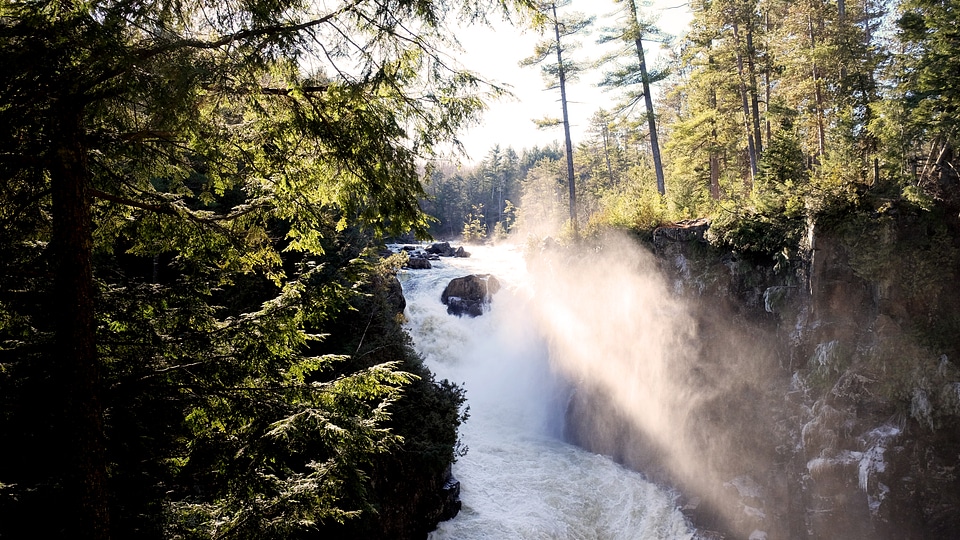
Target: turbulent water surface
(519, 479)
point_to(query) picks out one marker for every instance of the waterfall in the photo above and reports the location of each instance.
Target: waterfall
(520, 480)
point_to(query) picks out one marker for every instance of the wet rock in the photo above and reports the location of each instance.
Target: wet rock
(441, 248)
(450, 494)
(394, 295)
(775, 298)
(688, 230)
(468, 295)
(444, 249)
(418, 263)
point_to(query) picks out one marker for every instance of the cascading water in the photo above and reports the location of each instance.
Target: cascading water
(519, 479)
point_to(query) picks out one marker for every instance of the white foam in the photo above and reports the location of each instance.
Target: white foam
(519, 480)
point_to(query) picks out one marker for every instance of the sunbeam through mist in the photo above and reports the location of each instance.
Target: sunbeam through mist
(519, 364)
(661, 383)
(599, 350)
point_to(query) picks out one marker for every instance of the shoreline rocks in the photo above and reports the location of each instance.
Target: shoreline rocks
(420, 257)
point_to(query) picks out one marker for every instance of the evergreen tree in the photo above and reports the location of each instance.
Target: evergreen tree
(706, 141)
(193, 136)
(928, 66)
(633, 31)
(557, 74)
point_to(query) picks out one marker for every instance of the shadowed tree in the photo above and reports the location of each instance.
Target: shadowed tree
(929, 95)
(219, 136)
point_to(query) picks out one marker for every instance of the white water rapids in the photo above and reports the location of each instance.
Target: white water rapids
(519, 479)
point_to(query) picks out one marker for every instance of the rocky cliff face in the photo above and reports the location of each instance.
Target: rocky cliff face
(833, 383)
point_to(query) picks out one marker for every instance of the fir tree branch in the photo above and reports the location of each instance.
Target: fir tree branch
(246, 34)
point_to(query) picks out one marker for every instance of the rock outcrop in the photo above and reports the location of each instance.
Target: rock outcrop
(470, 294)
(451, 497)
(444, 249)
(839, 411)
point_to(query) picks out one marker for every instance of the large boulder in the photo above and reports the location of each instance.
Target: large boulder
(469, 294)
(444, 249)
(441, 248)
(418, 263)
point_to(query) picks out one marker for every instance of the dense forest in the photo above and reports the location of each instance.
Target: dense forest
(767, 113)
(200, 335)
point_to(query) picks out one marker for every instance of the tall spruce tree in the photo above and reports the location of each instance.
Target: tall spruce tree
(928, 69)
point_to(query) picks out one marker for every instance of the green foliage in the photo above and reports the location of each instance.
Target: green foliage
(502, 229)
(224, 200)
(474, 230)
(499, 231)
(689, 195)
(928, 30)
(912, 247)
(542, 203)
(770, 226)
(765, 238)
(637, 207)
(560, 31)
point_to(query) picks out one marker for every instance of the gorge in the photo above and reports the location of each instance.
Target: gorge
(520, 479)
(611, 388)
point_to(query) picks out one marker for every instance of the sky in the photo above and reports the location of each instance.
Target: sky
(495, 54)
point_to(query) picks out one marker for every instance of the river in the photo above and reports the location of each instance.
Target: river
(520, 480)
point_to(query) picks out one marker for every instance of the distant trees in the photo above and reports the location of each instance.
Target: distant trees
(496, 183)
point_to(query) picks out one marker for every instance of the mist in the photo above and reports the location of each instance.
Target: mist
(663, 382)
(520, 475)
(761, 405)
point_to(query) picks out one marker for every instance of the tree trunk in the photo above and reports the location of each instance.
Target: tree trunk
(605, 133)
(767, 68)
(754, 99)
(78, 367)
(566, 127)
(714, 158)
(751, 149)
(648, 101)
(817, 92)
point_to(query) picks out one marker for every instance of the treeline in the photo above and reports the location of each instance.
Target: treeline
(767, 112)
(481, 201)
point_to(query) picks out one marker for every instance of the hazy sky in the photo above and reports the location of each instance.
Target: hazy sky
(496, 53)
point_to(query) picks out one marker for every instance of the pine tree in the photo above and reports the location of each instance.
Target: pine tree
(557, 74)
(928, 66)
(633, 31)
